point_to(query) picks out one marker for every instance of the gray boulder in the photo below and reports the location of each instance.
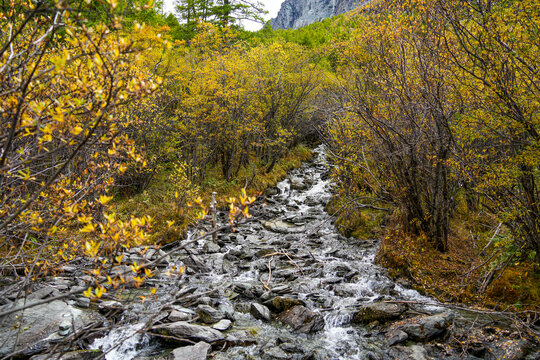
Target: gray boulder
(198, 351)
(260, 312)
(283, 303)
(426, 327)
(378, 311)
(283, 227)
(32, 330)
(208, 314)
(71, 355)
(222, 325)
(513, 349)
(301, 319)
(297, 183)
(211, 247)
(227, 310)
(179, 314)
(275, 353)
(396, 336)
(182, 329)
(414, 352)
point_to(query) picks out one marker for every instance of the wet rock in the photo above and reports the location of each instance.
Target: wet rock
(291, 348)
(297, 183)
(260, 312)
(227, 310)
(289, 274)
(396, 336)
(272, 191)
(182, 329)
(275, 353)
(414, 352)
(282, 289)
(248, 290)
(333, 280)
(282, 227)
(222, 325)
(215, 262)
(241, 338)
(265, 252)
(41, 324)
(205, 300)
(301, 319)
(379, 311)
(72, 355)
(208, 314)
(510, 349)
(230, 256)
(282, 303)
(211, 247)
(176, 315)
(83, 302)
(384, 287)
(426, 327)
(198, 351)
(325, 175)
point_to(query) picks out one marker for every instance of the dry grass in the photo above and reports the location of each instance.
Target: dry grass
(458, 275)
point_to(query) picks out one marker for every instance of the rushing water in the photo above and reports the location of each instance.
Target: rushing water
(331, 273)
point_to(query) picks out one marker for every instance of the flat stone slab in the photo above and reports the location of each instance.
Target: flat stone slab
(184, 330)
(32, 329)
(283, 227)
(378, 311)
(198, 351)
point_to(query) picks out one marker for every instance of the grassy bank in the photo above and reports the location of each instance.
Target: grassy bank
(171, 217)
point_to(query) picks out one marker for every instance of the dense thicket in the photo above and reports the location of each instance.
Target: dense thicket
(224, 103)
(439, 102)
(67, 70)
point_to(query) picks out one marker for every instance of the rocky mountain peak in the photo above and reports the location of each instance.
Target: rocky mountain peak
(297, 13)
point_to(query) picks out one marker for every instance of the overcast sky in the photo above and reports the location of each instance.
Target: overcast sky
(272, 6)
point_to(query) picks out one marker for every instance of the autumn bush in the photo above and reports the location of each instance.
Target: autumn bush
(68, 71)
(230, 115)
(225, 104)
(436, 111)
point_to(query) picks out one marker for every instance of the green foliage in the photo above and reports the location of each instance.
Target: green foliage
(223, 13)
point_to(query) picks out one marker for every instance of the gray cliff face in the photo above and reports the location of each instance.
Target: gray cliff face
(297, 13)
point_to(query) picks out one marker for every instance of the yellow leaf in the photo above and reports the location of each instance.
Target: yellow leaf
(88, 293)
(104, 199)
(88, 228)
(76, 130)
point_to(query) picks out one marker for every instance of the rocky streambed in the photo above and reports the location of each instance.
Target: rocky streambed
(285, 285)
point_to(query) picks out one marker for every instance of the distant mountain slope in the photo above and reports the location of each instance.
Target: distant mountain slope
(297, 13)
